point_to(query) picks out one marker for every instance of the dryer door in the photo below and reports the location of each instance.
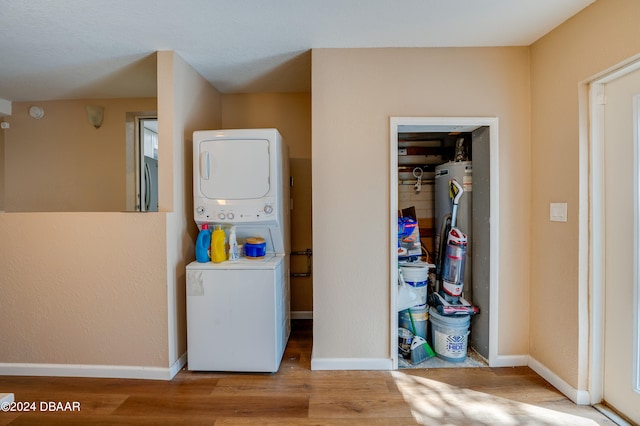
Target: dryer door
(234, 169)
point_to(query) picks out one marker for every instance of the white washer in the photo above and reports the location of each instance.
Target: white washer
(238, 314)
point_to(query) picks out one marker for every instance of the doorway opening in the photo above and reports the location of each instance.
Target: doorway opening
(610, 164)
(142, 161)
(417, 146)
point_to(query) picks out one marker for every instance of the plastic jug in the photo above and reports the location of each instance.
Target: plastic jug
(203, 244)
(218, 249)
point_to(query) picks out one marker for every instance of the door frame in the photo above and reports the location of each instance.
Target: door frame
(132, 149)
(451, 124)
(591, 307)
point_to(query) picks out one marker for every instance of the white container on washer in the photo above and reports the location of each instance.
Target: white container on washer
(234, 251)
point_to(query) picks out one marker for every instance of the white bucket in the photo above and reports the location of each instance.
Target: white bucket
(420, 317)
(449, 335)
(417, 277)
(416, 272)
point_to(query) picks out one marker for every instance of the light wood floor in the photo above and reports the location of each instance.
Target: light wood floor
(298, 396)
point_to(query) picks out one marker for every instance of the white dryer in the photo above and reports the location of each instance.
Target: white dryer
(241, 177)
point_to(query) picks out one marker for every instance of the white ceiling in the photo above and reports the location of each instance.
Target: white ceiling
(90, 48)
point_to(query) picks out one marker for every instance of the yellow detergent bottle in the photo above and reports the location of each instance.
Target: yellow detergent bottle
(218, 246)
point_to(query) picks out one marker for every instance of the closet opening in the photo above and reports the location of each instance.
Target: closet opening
(443, 182)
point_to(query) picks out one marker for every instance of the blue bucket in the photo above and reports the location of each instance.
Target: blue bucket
(420, 318)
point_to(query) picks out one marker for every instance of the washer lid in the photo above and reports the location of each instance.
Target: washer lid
(270, 261)
(234, 169)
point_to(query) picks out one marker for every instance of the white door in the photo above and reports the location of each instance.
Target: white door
(234, 169)
(620, 379)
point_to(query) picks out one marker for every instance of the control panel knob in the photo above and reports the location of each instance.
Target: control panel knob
(200, 209)
(268, 209)
(230, 216)
(221, 216)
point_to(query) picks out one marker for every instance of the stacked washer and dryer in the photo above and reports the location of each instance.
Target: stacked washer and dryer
(238, 316)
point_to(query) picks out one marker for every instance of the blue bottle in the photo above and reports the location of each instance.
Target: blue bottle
(203, 244)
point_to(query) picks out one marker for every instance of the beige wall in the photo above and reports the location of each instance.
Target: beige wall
(1, 170)
(290, 113)
(355, 92)
(61, 162)
(103, 293)
(86, 288)
(188, 103)
(83, 288)
(601, 36)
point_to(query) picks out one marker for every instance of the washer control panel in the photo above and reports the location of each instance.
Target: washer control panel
(234, 214)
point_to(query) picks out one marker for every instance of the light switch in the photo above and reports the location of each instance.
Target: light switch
(558, 212)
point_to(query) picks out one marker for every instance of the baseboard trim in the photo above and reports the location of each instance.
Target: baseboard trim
(177, 366)
(301, 315)
(509, 361)
(95, 371)
(580, 397)
(351, 364)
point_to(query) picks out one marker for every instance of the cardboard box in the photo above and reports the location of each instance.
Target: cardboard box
(408, 234)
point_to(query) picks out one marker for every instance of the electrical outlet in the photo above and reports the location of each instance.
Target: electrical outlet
(558, 212)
